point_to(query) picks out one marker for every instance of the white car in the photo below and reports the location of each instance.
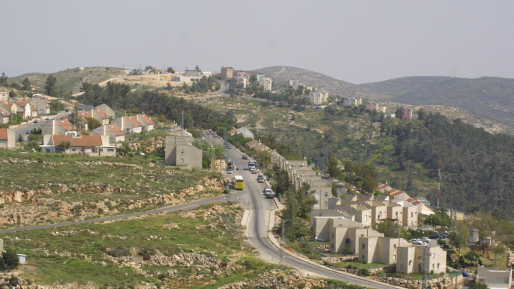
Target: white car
(230, 171)
(416, 241)
(425, 239)
(253, 170)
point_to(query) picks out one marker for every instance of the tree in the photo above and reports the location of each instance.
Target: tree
(332, 168)
(50, 85)
(388, 228)
(63, 146)
(3, 79)
(26, 84)
(20, 138)
(369, 184)
(456, 239)
(93, 123)
(170, 70)
(334, 189)
(197, 68)
(472, 256)
(399, 113)
(499, 249)
(9, 260)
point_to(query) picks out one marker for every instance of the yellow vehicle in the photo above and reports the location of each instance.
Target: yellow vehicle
(239, 182)
(149, 150)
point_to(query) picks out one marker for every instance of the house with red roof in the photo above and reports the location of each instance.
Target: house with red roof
(7, 138)
(58, 127)
(174, 128)
(99, 115)
(116, 135)
(145, 121)
(90, 145)
(106, 110)
(128, 124)
(23, 109)
(41, 106)
(5, 115)
(83, 119)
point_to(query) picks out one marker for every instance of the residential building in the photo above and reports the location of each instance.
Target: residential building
(407, 113)
(352, 101)
(410, 259)
(174, 128)
(241, 82)
(41, 106)
(227, 72)
(84, 107)
(7, 138)
(115, 134)
(4, 94)
(106, 110)
(495, 277)
(99, 115)
(240, 73)
(128, 124)
(58, 127)
(83, 116)
(321, 220)
(380, 249)
(181, 152)
(23, 109)
(90, 145)
(371, 105)
(243, 131)
(363, 213)
(318, 97)
(342, 236)
(266, 83)
(5, 115)
(145, 121)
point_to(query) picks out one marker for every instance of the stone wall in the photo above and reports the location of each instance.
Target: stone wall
(441, 282)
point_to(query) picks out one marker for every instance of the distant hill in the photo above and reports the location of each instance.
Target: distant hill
(492, 97)
(70, 79)
(489, 96)
(332, 85)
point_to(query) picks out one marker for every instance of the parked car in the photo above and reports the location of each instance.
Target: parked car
(268, 193)
(416, 241)
(245, 157)
(465, 274)
(425, 239)
(48, 118)
(260, 178)
(230, 146)
(36, 121)
(444, 235)
(28, 131)
(253, 170)
(230, 171)
(437, 236)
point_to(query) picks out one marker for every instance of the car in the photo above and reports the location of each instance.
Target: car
(208, 132)
(465, 274)
(215, 135)
(444, 235)
(416, 241)
(28, 131)
(66, 110)
(425, 239)
(260, 178)
(48, 118)
(230, 171)
(245, 157)
(268, 192)
(435, 237)
(253, 170)
(230, 146)
(36, 121)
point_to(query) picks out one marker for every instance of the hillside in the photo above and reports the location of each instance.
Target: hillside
(332, 85)
(489, 96)
(70, 79)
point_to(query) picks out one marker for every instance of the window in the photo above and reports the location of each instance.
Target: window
(363, 246)
(401, 267)
(365, 218)
(101, 150)
(332, 235)
(410, 262)
(47, 150)
(397, 214)
(73, 150)
(363, 256)
(326, 194)
(182, 160)
(412, 214)
(394, 245)
(394, 257)
(362, 235)
(110, 150)
(326, 204)
(438, 264)
(401, 255)
(433, 255)
(347, 240)
(181, 151)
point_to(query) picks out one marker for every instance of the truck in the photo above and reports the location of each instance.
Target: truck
(251, 165)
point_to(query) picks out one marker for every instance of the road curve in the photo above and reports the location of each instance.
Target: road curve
(172, 209)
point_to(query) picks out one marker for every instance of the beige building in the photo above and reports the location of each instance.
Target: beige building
(266, 83)
(115, 134)
(362, 213)
(380, 249)
(147, 123)
(5, 114)
(4, 94)
(99, 115)
(106, 110)
(319, 222)
(41, 106)
(495, 277)
(181, 152)
(318, 97)
(58, 127)
(410, 259)
(128, 124)
(349, 236)
(227, 72)
(90, 145)
(7, 138)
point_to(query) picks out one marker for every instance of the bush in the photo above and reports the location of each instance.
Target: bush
(9, 260)
(364, 272)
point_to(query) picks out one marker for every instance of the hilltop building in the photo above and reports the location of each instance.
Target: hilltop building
(180, 151)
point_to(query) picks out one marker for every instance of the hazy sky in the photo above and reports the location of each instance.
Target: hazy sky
(355, 41)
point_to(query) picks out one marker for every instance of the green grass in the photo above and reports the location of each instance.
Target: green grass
(59, 259)
(359, 265)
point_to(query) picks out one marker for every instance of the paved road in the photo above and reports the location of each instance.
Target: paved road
(254, 200)
(21, 130)
(183, 207)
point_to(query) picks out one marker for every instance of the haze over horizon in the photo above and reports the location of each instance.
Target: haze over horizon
(357, 41)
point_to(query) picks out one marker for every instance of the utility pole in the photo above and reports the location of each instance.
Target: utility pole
(282, 246)
(438, 182)
(425, 267)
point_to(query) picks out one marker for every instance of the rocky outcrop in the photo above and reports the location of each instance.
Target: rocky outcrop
(442, 282)
(278, 279)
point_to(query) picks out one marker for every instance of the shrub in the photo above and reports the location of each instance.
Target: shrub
(364, 272)
(9, 260)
